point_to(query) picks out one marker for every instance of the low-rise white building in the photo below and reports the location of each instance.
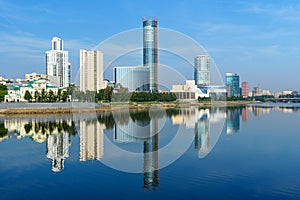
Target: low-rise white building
(5, 81)
(190, 91)
(17, 93)
(34, 76)
(54, 80)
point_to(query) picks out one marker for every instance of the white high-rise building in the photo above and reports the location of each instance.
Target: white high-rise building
(91, 70)
(57, 62)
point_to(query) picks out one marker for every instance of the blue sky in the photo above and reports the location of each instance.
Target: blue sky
(257, 39)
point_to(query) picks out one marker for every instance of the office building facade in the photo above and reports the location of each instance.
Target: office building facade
(245, 89)
(202, 70)
(233, 84)
(57, 62)
(91, 70)
(150, 51)
(134, 78)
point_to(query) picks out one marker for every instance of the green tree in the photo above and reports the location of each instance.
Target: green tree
(51, 96)
(37, 96)
(71, 89)
(108, 93)
(28, 96)
(148, 96)
(43, 95)
(59, 95)
(100, 95)
(64, 96)
(90, 96)
(3, 92)
(121, 95)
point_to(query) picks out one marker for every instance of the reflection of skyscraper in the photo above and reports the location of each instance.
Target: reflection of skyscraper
(150, 51)
(132, 131)
(145, 131)
(91, 140)
(58, 150)
(245, 114)
(151, 178)
(188, 116)
(202, 134)
(202, 70)
(232, 120)
(256, 111)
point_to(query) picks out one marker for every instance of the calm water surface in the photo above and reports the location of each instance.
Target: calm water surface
(223, 153)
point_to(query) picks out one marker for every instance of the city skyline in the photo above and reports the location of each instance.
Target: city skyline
(256, 40)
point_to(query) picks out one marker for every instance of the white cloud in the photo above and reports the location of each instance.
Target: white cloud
(282, 11)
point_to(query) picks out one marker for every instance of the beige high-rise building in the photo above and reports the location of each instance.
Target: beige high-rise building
(91, 70)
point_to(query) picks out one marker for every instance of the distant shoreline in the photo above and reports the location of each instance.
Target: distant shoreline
(28, 110)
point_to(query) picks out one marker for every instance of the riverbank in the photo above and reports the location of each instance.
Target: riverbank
(34, 109)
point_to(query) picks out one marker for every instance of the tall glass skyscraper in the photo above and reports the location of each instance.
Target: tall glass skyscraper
(233, 84)
(150, 51)
(202, 70)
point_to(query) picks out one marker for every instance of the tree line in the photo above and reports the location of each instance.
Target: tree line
(107, 94)
(122, 95)
(3, 92)
(45, 96)
(148, 96)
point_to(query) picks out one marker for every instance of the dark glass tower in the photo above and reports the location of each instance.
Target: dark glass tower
(150, 51)
(233, 84)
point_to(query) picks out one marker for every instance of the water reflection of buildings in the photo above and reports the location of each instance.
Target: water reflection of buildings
(145, 131)
(3, 131)
(151, 177)
(200, 120)
(232, 120)
(91, 140)
(245, 114)
(133, 131)
(264, 109)
(56, 134)
(58, 149)
(26, 128)
(202, 134)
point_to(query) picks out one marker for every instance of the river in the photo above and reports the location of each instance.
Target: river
(249, 152)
